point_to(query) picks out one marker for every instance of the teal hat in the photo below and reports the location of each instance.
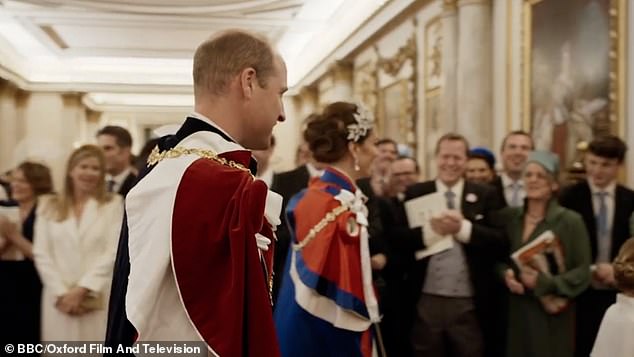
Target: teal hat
(546, 159)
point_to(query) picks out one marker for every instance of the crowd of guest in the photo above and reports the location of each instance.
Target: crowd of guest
(57, 247)
(475, 296)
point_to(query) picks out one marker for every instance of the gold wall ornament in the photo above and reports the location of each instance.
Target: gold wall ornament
(397, 111)
(393, 65)
(342, 70)
(433, 54)
(573, 71)
(449, 5)
(397, 104)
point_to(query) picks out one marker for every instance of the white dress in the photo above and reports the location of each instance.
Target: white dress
(77, 253)
(615, 334)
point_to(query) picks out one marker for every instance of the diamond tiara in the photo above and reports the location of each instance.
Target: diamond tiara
(364, 123)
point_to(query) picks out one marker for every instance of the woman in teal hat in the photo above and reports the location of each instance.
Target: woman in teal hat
(548, 267)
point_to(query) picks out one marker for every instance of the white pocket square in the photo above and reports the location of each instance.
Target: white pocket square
(478, 217)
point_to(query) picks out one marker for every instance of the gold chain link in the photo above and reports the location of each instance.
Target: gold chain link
(329, 218)
(156, 156)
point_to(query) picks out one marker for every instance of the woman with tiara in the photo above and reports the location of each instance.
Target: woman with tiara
(327, 304)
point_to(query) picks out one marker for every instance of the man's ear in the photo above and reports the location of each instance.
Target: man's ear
(248, 81)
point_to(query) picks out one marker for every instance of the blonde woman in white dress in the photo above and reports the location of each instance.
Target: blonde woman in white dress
(75, 245)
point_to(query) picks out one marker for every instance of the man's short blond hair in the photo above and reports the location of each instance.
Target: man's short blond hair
(225, 55)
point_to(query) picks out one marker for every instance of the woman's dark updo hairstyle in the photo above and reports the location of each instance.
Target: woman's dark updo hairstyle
(327, 134)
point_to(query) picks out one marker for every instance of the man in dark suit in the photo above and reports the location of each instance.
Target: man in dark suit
(116, 143)
(378, 184)
(376, 187)
(396, 319)
(452, 289)
(514, 152)
(606, 208)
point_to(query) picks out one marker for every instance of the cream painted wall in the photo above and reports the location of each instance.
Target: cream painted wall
(8, 125)
(45, 134)
(287, 136)
(136, 122)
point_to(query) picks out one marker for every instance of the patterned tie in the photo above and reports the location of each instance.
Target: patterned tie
(450, 196)
(110, 185)
(515, 198)
(603, 237)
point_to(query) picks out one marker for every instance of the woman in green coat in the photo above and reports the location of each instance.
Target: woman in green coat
(549, 267)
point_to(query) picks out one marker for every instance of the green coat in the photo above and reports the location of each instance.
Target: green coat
(531, 331)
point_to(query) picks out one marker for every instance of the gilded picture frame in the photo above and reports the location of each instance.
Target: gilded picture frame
(573, 70)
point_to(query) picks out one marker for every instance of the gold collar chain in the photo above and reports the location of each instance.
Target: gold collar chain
(330, 217)
(156, 157)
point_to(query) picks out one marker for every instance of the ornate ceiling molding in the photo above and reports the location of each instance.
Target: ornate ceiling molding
(184, 7)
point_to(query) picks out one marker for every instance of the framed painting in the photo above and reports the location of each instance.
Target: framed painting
(573, 65)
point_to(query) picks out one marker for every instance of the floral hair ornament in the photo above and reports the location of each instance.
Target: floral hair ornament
(364, 123)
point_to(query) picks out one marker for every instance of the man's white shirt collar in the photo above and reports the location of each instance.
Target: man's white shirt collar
(118, 180)
(457, 188)
(610, 189)
(199, 116)
(313, 171)
(267, 177)
(508, 182)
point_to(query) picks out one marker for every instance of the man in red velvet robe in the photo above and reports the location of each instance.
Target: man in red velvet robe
(194, 257)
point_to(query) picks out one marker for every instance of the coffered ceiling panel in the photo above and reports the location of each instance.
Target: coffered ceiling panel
(101, 45)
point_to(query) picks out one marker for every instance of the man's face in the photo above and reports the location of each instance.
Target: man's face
(117, 157)
(601, 171)
(478, 171)
(265, 108)
(451, 160)
(403, 175)
(387, 153)
(515, 153)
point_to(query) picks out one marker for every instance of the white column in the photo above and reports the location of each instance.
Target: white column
(474, 71)
(449, 102)
(501, 61)
(90, 127)
(8, 124)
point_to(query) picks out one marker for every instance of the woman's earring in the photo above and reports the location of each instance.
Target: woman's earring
(356, 164)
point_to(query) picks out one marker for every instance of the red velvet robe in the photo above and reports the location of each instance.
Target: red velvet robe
(194, 260)
(216, 261)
